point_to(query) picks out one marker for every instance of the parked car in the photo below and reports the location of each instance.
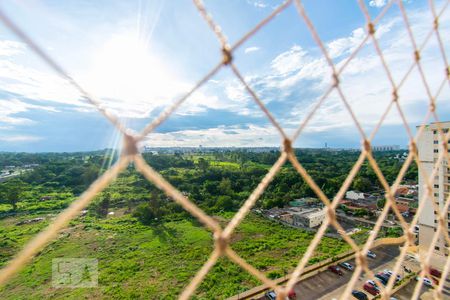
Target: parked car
(383, 278)
(407, 270)
(336, 270)
(271, 295)
(371, 289)
(389, 273)
(346, 266)
(425, 280)
(371, 254)
(292, 294)
(435, 272)
(359, 295)
(372, 283)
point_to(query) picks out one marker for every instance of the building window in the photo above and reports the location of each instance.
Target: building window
(434, 131)
(435, 142)
(436, 194)
(436, 248)
(436, 185)
(436, 150)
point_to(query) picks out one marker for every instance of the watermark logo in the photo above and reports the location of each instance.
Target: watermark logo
(74, 272)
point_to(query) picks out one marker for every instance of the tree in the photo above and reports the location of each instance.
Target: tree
(12, 190)
(203, 164)
(225, 203)
(362, 184)
(103, 205)
(381, 202)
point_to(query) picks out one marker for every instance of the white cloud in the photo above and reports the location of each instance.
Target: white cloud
(305, 74)
(346, 45)
(377, 3)
(289, 61)
(124, 75)
(8, 108)
(224, 136)
(295, 79)
(10, 48)
(20, 138)
(258, 3)
(251, 49)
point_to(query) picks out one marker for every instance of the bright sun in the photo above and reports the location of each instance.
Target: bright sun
(126, 75)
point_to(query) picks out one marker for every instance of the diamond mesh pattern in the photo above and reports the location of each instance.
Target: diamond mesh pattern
(222, 235)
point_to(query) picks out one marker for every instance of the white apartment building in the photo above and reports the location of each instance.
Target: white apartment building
(429, 147)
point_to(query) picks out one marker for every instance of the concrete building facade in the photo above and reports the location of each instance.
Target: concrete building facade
(429, 146)
(309, 218)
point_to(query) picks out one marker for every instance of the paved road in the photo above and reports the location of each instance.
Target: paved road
(408, 290)
(326, 282)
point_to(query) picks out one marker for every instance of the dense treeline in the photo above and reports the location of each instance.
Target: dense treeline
(215, 181)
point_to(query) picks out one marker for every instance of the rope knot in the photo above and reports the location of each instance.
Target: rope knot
(129, 145)
(417, 55)
(394, 95)
(287, 145)
(360, 259)
(413, 147)
(410, 237)
(331, 214)
(227, 56)
(371, 28)
(366, 146)
(432, 106)
(335, 80)
(221, 242)
(436, 23)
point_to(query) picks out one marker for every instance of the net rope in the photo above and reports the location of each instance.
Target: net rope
(222, 248)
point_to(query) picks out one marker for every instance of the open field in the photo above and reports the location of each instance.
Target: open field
(155, 261)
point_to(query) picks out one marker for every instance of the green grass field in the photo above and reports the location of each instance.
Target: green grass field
(137, 261)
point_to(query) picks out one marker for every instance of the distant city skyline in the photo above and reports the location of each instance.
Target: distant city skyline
(137, 57)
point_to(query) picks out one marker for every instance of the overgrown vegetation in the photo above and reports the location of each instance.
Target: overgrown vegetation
(147, 245)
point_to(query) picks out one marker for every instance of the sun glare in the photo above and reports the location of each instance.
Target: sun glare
(127, 76)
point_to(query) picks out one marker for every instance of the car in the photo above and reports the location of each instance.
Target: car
(346, 266)
(382, 278)
(292, 294)
(425, 281)
(435, 272)
(371, 254)
(372, 283)
(336, 270)
(271, 295)
(359, 295)
(389, 273)
(371, 289)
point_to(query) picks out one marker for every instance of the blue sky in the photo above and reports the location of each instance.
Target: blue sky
(140, 56)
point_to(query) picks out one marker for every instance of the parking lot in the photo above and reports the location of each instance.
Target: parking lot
(376, 266)
(328, 285)
(407, 291)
